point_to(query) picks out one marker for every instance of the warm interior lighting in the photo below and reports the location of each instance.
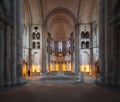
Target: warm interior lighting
(51, 67)
(60, 54)
(35, 68)
(53, 53)
(72, 69)
(60, 67)
(24, 69)
(69, 67)
(56, 67)
(64, 67)
(85, 68)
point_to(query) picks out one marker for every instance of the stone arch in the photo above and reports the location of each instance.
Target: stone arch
(27, 11)
(60, 10)
(93, 14)
(87, 44)
(87, 35)
(83, 35)
(25, 36)
(60, 18)
(36, 58)
(83, 45)
(25, 28)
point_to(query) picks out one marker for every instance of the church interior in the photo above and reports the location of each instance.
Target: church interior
(59, 41)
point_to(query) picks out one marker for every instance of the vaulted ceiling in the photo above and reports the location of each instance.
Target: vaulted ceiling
(60, 16)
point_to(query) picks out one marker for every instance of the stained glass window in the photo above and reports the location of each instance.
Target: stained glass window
(60, 47)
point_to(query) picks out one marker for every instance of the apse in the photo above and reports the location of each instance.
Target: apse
(60, 31)
(60, 24)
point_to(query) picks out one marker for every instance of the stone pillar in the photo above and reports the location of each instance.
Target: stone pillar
(30, 59)
(72, 60)
(61, 66)
(91, 47)
(77, 66)
(5, 35)
(7, 55)
(107, 42)
(101, 19)
(29, 64)
(7, 43)
(13, 42)
(44, 51)
(19, 32)
(114, 55)
(2, 53)
(69, 65)
(115, 42)
(66, 65)
(49, 62)
(94, 46)
(119, 57)
(53, 65)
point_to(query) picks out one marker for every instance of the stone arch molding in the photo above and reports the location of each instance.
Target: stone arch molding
(62, 17)
(59, 10)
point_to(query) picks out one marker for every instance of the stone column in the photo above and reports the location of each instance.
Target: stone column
(119, 57)
(7, 25)
(53, 65)
(77, 66)
(107, 42)
(101, 19)
(94, 46)
(91, 47)
(19, 32)
(7, 55)
(13, 42)
(66, 65)
(44, 51)
(70, 65)
(49, 62)
(3, 28)
(30, 60)
(2, 53)
(72, 60)
(114, 55)
(115, 43)
(30, 50)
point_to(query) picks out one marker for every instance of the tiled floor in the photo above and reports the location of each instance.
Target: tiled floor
(36, 91)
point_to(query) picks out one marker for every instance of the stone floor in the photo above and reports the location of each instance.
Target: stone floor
(37, 91)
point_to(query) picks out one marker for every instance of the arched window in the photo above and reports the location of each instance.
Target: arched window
(52, 45)
(87, 35)
(38, 45)
(83, 45)
(87, 44)
(36, 59)
(33, 35)
(38, 35)
(68, 45)
(82, 35)
(34, 45)
(60, 47)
